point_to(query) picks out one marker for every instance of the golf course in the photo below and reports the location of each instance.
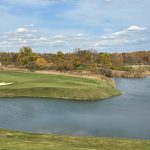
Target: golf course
(27, 84)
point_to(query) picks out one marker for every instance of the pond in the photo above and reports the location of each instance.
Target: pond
(125, 116)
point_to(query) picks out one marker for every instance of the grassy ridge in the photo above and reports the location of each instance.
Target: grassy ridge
(11, 140)
(54, 86)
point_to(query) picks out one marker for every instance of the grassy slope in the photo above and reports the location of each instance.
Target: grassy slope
(11, 140)
(54, 86)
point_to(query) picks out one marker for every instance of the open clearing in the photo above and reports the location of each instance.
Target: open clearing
(54, 86)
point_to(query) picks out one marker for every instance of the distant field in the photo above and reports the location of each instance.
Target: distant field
(11, 140)
(54, 86)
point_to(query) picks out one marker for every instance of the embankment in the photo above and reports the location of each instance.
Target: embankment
(11, 140)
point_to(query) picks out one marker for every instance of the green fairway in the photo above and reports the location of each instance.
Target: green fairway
(54, 86)
(11, 140)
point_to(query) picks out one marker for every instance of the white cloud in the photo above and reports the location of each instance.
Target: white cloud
(79, 36)
(136, 28)
(127, 36)
(79, 23)
(57, 43)
(59, 36)
(25, 30)
(120, 33)
(22, 30)
(22, 41)
(26, 37)
(130, 30)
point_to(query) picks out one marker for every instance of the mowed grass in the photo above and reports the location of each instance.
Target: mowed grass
(54, 86)
(11, 140)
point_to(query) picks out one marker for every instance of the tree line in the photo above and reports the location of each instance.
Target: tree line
(78, 60)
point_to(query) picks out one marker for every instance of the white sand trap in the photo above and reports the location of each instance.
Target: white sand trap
(4, 83)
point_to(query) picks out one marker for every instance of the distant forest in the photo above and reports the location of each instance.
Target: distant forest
(77, 60)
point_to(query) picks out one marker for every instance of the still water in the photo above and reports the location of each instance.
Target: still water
(125, 116)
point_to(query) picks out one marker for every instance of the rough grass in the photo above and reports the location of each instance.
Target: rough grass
(11, 140)
(54, 86)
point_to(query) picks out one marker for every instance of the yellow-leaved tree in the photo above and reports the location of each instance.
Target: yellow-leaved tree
(41, 63)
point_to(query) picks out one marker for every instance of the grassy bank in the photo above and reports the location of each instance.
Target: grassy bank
(54, 86)
(10, 140)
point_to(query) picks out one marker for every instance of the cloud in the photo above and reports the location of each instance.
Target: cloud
(59, 36)
(43, 39)
(21, 36)
(130, 30)
(136, 28)
(25, 30)
(22, 30)
(26, 36)
(99, 24)
(121, 38)
(29, 36)
(57, 43)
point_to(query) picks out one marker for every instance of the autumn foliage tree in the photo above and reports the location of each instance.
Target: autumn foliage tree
(75, 61)
(40, 62)
(88, 60)
(7, 58)
(26, 56)
(60, 61)
(106, 60)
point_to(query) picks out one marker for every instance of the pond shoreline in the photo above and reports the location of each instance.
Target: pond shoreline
(21, 140)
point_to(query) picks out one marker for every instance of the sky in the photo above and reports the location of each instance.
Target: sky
(52, 25)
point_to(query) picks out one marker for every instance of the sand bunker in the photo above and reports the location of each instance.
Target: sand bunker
(4, 83)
